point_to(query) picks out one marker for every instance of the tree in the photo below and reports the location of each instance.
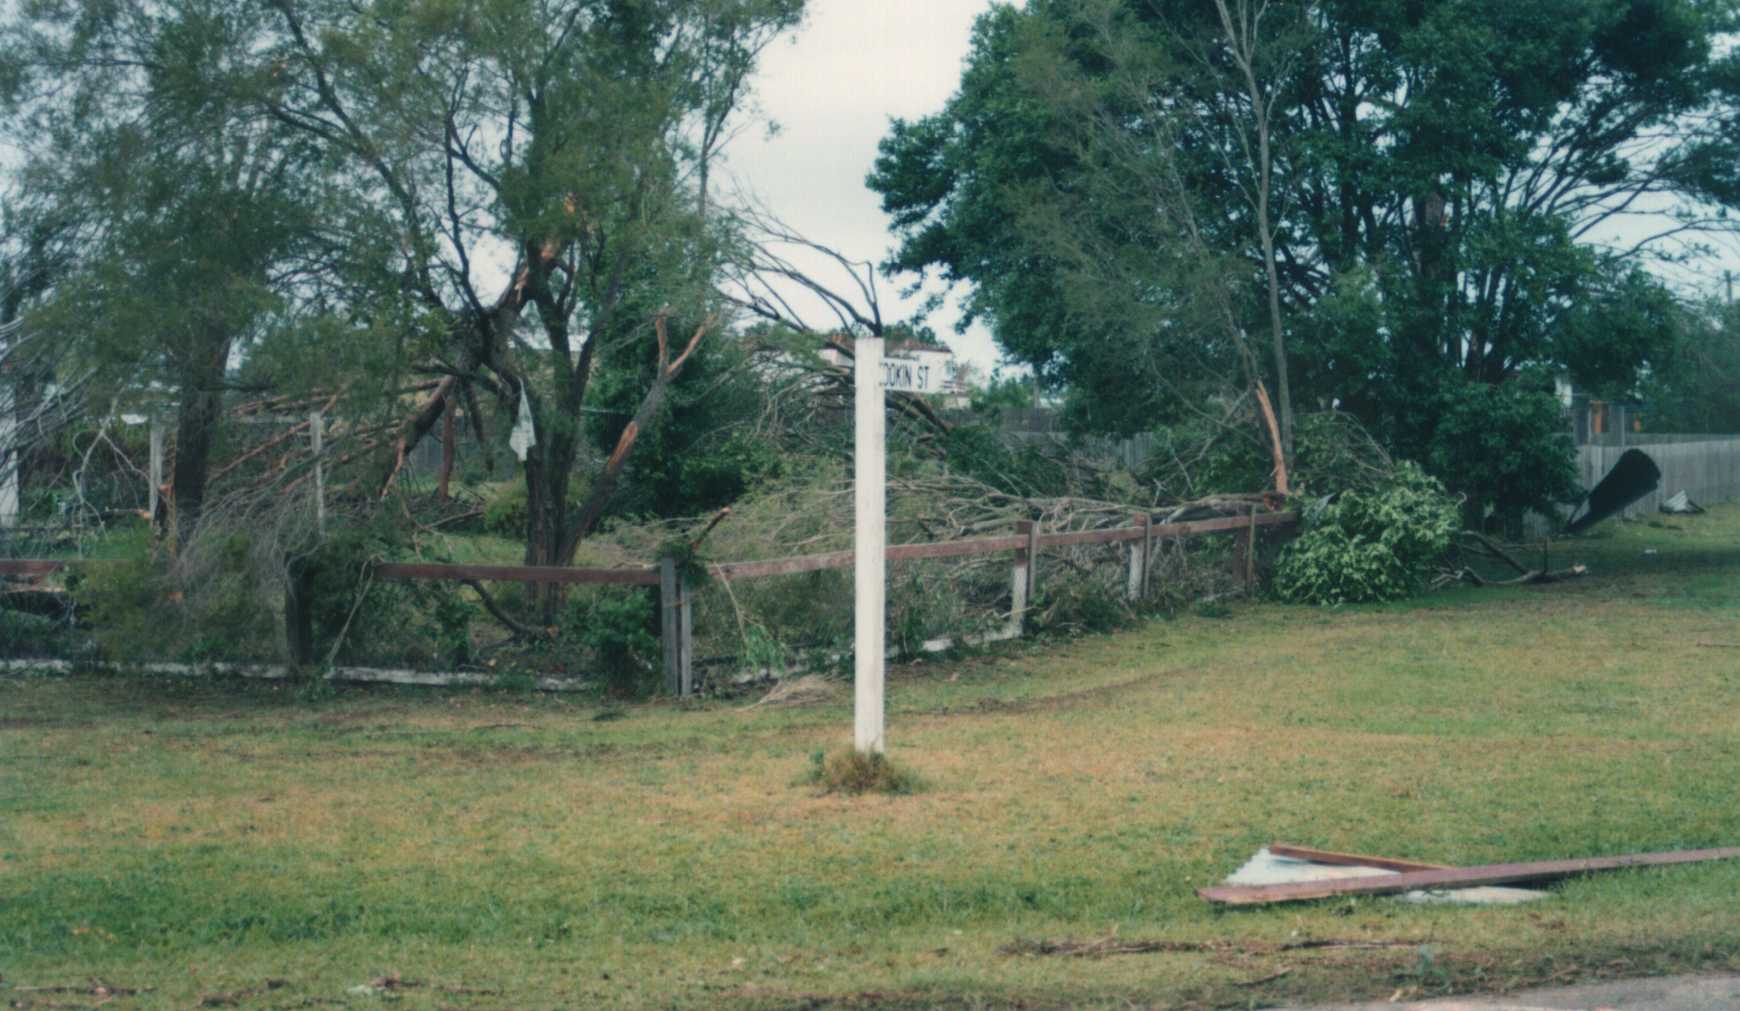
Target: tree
(1449, 183)
(558, 137)
(1158, 273)
(181, 216)
(1695, 387)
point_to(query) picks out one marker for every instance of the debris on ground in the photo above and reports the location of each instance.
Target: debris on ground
(1114, 945)
(1681, 504)
(1283, 864)
(1632, 477)
(1330, 882)
(383, 984)
(811, 689)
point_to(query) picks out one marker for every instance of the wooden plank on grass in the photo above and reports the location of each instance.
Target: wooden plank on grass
(1454, 877)
(519, 574)
(1335, 859)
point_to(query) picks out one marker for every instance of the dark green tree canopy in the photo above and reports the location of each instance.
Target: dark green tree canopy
(1466, 192)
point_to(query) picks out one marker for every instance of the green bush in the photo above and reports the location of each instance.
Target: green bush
(855, 773)
(1368, 545)
(26, 634)
(140, 609)
(504, 513)
(616, 628)
(383, 621)
(1506, 449)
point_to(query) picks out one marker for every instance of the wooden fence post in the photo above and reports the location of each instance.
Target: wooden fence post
(1245, 554)
(1250, 557)
(156, 468)
(316, 436)
(299, 615)
(676, 629)
(1022, 575)
(1148, 547)
(1137, 552)
(10, 492)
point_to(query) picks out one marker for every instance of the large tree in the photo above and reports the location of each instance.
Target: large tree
(1457, 204)
(540, 168)
(179, 217)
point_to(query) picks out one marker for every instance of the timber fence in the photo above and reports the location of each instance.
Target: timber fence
(1708, 470)
(1705, 467)
(1026, 548)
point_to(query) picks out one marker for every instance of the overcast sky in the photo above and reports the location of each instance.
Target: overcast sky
(832, 88)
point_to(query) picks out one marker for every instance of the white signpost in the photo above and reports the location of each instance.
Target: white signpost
(870, 543)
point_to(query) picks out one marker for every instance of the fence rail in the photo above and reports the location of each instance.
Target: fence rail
(677, 596)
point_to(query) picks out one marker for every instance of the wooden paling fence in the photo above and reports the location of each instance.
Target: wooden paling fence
(676, 595)
(1707, 469)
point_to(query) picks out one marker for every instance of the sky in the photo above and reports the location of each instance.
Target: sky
(832, 88)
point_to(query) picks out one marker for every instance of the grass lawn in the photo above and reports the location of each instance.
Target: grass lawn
(518, 851)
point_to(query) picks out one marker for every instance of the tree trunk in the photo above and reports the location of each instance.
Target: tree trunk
(548, 466)
(444, 490)
(196, 425)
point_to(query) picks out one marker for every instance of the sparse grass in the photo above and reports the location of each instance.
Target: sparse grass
(481, 849)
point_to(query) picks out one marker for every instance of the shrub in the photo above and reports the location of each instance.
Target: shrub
(616, 628)
(505, 510)
(141, 610)
(360, 619)
(856, 773)
(26, 634)
(1368, 545)
(1506, 448)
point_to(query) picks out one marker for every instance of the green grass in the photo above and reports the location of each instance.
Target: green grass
(515, 851)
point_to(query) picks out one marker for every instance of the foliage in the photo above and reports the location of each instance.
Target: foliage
(139, 610)
(359, 619)
(24, 633)
(305, 177)
(1507, 449)
(706, 447)
(1336, 453)
(1369, 545)
(979, 449)
(617, 630)
(1444, 237)
(504, 511)
(1695, 386)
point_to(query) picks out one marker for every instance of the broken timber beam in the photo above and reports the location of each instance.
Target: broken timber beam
(1335, 859)
(1454, 877)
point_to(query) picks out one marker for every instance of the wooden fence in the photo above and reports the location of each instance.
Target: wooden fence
(676, 595)
(1708, 470)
